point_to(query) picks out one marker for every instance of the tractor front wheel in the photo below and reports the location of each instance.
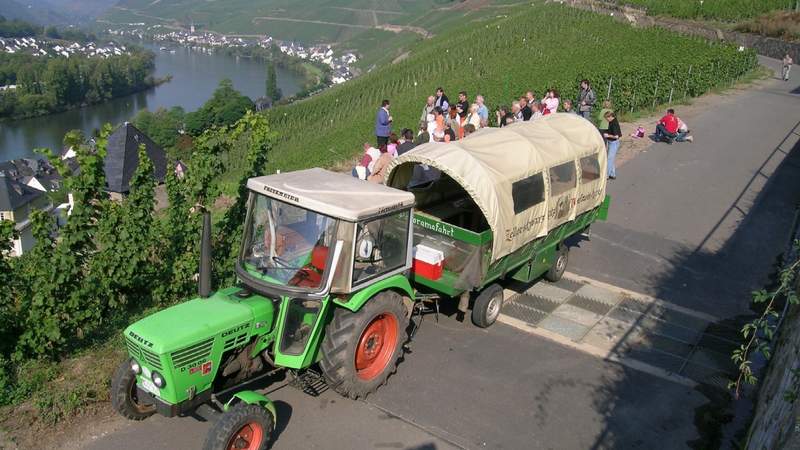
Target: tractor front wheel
(243, 426)
(124, 398)
(361, 349)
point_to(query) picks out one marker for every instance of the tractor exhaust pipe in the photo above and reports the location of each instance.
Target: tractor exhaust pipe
(204, 283)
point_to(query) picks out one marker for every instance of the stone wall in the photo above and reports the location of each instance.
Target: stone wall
(776, 424)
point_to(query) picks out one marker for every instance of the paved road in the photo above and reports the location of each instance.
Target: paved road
(688, 226)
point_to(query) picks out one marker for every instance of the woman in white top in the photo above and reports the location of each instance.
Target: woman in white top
(473, 117)
(551, 101)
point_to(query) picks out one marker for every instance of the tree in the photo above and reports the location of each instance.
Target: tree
(226, 106)
(273, 91)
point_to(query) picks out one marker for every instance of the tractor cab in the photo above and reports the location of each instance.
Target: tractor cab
(312, 233)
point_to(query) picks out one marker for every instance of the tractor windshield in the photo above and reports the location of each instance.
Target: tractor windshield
(286, 246)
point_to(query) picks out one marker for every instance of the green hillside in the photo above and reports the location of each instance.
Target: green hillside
(379, 30)
(724, 10)
(501, 58)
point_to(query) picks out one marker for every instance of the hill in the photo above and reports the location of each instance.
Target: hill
(379, 31)
(501, 58)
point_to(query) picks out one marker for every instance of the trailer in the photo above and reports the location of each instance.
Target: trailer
(331, 269)
(500, 203)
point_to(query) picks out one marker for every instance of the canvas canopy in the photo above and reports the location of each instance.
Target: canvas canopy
(526, 178)
(333, 194)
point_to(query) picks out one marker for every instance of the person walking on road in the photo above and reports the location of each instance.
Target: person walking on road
(787, 67)
(586, 100)
(383, 124)
(612, 136)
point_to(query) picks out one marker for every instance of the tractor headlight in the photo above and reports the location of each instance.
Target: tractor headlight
(135, 367)
(158, 380)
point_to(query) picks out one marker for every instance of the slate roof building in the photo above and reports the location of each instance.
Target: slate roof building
(122, 158)
(17, 201)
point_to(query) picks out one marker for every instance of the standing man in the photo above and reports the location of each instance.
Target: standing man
(463, 104)
(483, 111)
(383, 124)
(586, 100)
(787, 66)
(441, 100)
(428, 108)
(530, 98)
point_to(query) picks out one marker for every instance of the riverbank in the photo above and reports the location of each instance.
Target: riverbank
(150, 83)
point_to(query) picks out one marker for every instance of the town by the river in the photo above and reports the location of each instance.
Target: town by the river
(195, 75)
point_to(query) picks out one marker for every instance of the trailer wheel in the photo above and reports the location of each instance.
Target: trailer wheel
(487, 306)
(124, 398)
(361, 349)
(559, 265)
(243, 426)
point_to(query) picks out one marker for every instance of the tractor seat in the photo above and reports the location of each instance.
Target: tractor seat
(311, 275)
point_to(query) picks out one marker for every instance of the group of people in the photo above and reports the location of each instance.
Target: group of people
(442, 121)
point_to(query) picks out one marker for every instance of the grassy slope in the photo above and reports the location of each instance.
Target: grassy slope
(490, 57)
(351, 23)
(723, 10)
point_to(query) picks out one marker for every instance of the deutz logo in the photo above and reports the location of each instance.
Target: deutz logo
(140, 339)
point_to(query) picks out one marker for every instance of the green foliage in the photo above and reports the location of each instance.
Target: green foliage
(502, 61)
(162, 126)
(273, 91)
(226, 106)
(17, 28)
(725, 10)
(46, 85)
(759, 334)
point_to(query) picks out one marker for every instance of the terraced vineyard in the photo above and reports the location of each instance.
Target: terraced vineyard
(724, 10)
(501, 58)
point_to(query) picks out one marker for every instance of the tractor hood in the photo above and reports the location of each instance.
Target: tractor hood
(198, 319)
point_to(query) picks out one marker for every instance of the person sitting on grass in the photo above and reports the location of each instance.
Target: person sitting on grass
(667, 128)
(364, 168)
(535, 111)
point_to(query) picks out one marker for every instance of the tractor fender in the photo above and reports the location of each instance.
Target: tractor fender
(253, 398)
(356, 301)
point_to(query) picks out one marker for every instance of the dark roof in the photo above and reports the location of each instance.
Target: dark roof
(122, 157)
(14, 194)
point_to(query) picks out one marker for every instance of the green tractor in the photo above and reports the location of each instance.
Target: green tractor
(327, 264)
(323, 273)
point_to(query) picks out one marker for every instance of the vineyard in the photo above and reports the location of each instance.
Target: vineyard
(724, 10)
(501, 58)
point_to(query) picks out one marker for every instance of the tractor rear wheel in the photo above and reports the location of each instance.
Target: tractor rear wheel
(361, 349)
(124, 398)
(243, 426)
(559, 264)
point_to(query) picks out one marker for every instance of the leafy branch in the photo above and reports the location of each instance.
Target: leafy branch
(759, 333)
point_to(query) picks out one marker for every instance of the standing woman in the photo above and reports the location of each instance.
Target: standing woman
(452, 121)
(787, 67)
(612, 136)
(473, 117)
(551, 101)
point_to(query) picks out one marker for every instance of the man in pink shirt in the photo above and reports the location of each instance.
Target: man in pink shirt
(667, 128)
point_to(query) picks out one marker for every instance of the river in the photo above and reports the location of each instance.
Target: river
(195, 75)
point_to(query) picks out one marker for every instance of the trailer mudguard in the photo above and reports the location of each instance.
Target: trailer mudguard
(253, 398)
(357, 300)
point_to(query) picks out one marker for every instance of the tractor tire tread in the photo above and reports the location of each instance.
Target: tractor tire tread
(342, 334)
(235, 418)
(120, 394)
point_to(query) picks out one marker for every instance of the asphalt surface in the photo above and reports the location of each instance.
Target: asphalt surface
(697, 224)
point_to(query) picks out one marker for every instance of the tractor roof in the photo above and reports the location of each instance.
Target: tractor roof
(330, 193)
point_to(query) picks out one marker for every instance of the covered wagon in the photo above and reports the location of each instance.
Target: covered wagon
(500, 203)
